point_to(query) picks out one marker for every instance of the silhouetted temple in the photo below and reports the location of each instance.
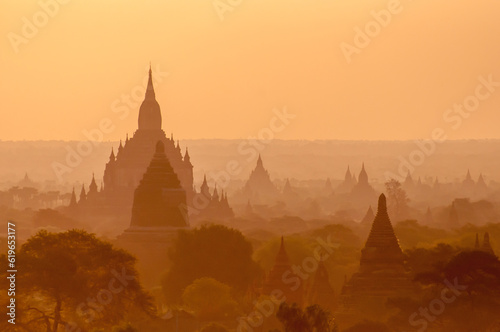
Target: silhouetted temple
(159, 211)
(468, 185)
(212, 205)
(328, 188)
(275, 280)
(368, 218)
(486, 247)
(409, 184)
(290, 194)
(348, 183)
(159, 200)
(259, 187)
(321, 292)
(125, 169)
(382, 272)
(26, 182)
(363, 193)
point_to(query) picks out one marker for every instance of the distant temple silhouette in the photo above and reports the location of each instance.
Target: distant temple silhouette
(368, 218)
(275, 279)
(348, 184)
(213, 205)
(362, 192)
(259, 188)
(486, 247)
(321, 291)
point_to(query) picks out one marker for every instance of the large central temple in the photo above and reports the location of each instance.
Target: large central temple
(125, 170)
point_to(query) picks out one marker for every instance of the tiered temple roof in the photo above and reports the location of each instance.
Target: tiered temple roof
(159, 199)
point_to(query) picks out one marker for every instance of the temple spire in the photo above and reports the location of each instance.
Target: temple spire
(150, 91)
(149, 112)
(187, 158)
(348, 175)
(93, 185)
(382, 245)
(204, 189)
(363, 176)
(112, 155)
(83, 195)
(72, 202)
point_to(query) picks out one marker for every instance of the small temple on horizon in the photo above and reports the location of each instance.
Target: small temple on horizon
(259, 187)
(348, 183)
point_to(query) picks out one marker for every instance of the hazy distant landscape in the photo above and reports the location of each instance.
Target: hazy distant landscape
(295, 159)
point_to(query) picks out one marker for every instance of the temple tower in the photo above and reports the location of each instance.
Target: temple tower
(279, 272)
(259, 186)
(159, 200)
(381, 273)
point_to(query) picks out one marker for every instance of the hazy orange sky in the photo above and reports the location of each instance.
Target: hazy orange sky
(226, 76)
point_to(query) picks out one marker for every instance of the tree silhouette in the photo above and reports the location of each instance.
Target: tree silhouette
(75, 279)
(211, 251)
(210, 299)
(474, 277)
(397, 200)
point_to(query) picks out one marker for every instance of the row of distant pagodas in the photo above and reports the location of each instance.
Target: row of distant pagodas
(260, 189)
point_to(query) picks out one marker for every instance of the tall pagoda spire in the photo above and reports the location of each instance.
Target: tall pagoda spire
(112, 156)
(204, 189)
(187, 158)
(83, 195)
(149, 112)
(93, 185)
(363, 177)
(348, 175)
(259, 163)
(72, 202)
(120, 148)
(275, 278)
(382, 245)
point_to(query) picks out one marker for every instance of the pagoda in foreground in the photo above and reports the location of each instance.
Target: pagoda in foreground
(381, 273)
(159, 211)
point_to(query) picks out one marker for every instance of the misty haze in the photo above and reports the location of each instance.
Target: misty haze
(241, 166)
